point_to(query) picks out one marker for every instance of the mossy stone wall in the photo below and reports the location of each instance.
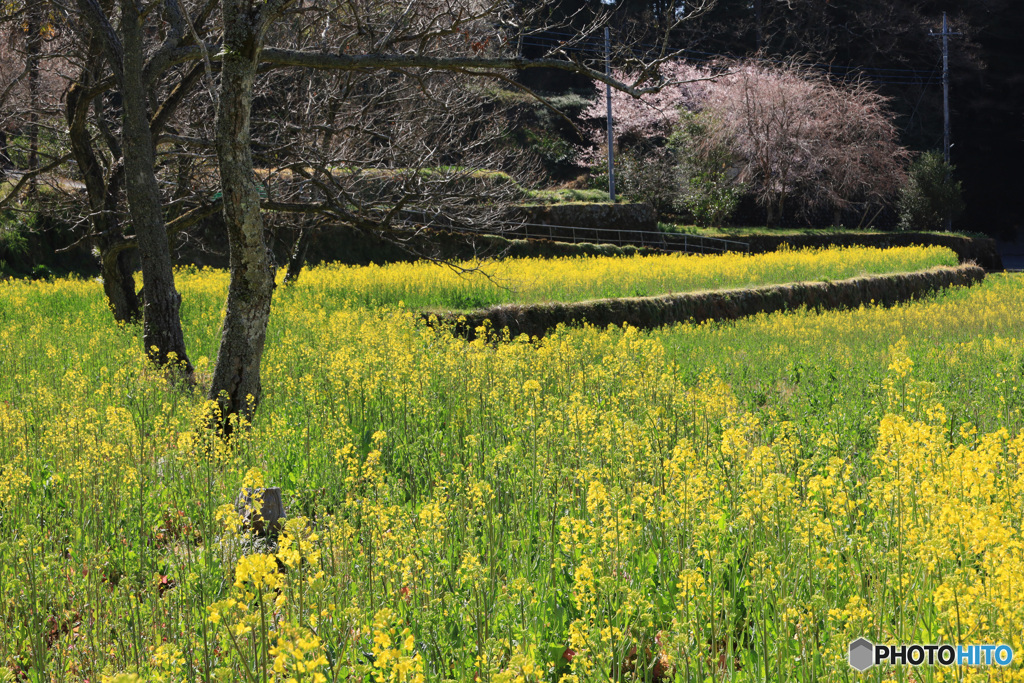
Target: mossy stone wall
(536, 320)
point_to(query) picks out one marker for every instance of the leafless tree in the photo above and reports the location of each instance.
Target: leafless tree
(799, 135)
(413, 40)
(390, 154)
(86, 112)
(395, 129)
(31, 82)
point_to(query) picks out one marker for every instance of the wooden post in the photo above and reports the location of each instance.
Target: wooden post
(271, 513)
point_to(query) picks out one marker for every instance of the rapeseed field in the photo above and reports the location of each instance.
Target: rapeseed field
(530, 280)
(723, 502)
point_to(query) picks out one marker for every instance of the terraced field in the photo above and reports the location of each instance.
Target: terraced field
(718, 502)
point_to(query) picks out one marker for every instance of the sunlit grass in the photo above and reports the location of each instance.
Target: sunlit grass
(721, 502)
(577, 278)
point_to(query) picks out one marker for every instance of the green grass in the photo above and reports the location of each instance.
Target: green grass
(747, 231)
(567, 196)
(743, 499)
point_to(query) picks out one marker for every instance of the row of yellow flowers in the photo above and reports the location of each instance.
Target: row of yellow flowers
(476, 284)
(721, 502)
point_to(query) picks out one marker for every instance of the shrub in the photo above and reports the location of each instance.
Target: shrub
(711, 198)
(552, 149)
(647, 176)
(931, 195)
(706, 172)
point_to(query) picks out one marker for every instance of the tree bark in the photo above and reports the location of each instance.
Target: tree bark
(236, 378)
(118, 280)
(161, 329)
(298, 256)
(33, 47)
(119, 285)
(5, 161)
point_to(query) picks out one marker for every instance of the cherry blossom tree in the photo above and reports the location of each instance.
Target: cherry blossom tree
(646, 166)
(789, 134)
(798, 135)
(654, 114)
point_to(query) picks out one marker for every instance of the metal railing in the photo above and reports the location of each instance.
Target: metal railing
(575, 234)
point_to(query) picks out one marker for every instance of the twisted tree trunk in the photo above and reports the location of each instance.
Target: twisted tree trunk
(161, 328)
(119, 285)
(236, 378)
(115, 258)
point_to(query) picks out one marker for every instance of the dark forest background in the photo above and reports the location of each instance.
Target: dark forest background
(889, 42)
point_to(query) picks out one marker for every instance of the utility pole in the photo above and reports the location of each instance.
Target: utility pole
(945, 82)
(608, 99)
(945, 98)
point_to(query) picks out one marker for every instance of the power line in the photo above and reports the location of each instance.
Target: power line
(594, 47)
(920, 98)
(713, 55)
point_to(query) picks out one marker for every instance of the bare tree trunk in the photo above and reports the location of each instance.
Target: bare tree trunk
(33, 47)
(5, 161)
(118, 281)
(119, 285)
(236, 377)
(775, 207)
(161, 330)
(298, 257)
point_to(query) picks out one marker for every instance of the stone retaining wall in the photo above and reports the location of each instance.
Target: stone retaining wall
(695, 307)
